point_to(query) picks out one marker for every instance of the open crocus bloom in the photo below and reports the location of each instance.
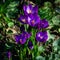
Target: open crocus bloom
(33, 19)
(42, 36)
(21, 38)
(23, 18)
(29, 9)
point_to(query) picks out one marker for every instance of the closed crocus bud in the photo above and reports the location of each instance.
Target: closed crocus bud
(23, 19)
(43, 24)
(22, 38)
(9, 55)
(33, 19)
(26, 34)
(42, 36)
(29, 9)
(30, 45)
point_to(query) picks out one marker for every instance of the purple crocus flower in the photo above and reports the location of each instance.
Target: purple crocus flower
(43, 24)
(9, 55)
(17, 38)
(21, 38)
(26, 34)
(23, 18)
(33, 19)
(29, 9)
(30, 45)
(42, 36)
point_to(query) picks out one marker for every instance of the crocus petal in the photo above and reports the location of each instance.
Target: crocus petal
(17, 38)
(29, 9)
(33, 19)
(22, 38)
(41, 36)
(26, 34)
(44, 23)
(35, 9)
(22, 19)
(24, 7)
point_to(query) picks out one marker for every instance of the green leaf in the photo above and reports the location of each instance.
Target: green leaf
(7, 46)
(40, 58)
(45, 13)
(57, 57)
(10, 24)
(7, 19)
(50, 36)
(59, 30)
(13, 4)
(56, 45)
(59, 52)
(48, 4)
(56, 20)
(41, 49)
(12, 9)
(51, 56)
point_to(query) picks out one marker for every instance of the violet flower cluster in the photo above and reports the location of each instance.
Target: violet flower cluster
(21, 38)
(32, 18)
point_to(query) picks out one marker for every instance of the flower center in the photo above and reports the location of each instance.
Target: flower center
(25, 35)
(23, 20)
(20, 40)
(43, 23)
(41, 37)
(29, 11)
(33, 21)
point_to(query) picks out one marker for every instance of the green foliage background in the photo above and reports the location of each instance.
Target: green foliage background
(9, 26)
